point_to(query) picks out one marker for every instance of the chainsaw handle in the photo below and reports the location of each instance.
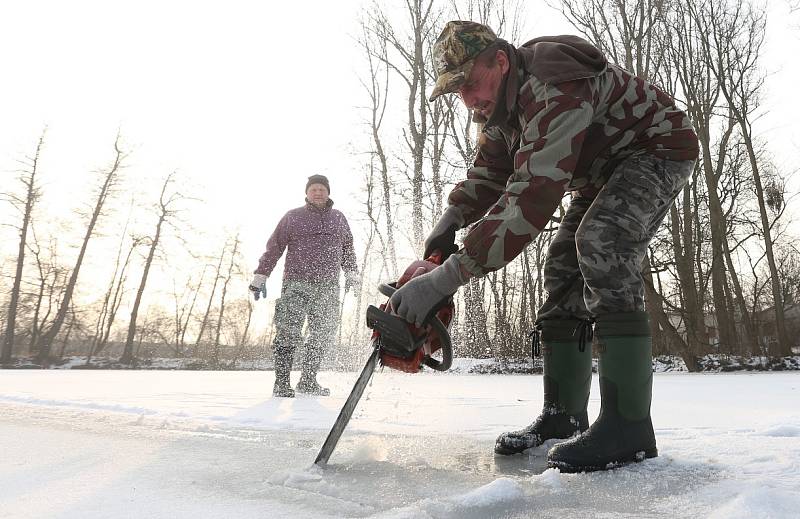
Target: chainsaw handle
(445, 342)
(388, 290)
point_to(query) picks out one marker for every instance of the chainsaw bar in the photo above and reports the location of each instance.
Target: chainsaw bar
(349, 406)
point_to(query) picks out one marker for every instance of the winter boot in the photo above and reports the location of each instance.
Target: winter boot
(623, 432)
(308, 384)
(283, 367)
(311, 361)
(567, 359)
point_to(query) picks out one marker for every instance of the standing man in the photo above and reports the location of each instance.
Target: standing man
(319, 244)
(558, 117)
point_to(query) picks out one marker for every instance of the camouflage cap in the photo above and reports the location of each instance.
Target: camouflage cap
(454, 53)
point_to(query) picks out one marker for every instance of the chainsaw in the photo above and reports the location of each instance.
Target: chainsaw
(398, 344)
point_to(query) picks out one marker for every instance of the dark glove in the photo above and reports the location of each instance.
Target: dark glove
(258, 286)
(417, 298)
(443, 234)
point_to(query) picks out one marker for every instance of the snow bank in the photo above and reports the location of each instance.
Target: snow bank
(759, 504)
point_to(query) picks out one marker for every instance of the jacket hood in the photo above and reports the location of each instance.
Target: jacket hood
(552, 59)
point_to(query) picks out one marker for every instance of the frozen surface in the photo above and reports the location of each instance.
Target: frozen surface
(158, 444)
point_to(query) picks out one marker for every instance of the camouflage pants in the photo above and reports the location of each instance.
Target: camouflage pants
(300, 300)
(593, 265)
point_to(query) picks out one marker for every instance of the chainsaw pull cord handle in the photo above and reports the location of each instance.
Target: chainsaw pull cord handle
(438, 326)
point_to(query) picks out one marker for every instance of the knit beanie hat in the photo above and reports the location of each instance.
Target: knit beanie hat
(318, 179)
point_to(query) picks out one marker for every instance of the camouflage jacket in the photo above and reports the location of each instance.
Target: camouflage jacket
(565, 118)
(319, 244)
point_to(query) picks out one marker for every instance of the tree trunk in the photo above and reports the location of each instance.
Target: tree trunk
(684, 252)
(784, 343)
(727, 335)
(164, 213)
(221, 315)
(109, 180)
(210, 302)
(31, 196)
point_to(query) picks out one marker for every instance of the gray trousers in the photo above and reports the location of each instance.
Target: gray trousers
(593, 265)
(316, 302)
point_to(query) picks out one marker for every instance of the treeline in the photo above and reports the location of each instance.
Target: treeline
(56, 307)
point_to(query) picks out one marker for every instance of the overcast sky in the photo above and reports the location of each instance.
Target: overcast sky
(244, 98)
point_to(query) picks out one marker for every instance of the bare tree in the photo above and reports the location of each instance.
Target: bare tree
(48, 285)
(373, 232)
(702, 95)
(409, 47)
(166, 211)
(234, 260)
(109, 180)
(240, 311)
(376, 87)
(74, 325)
(207, 314)
(626, 31)
(734, 47)
(25, 205)
(184, 309)
(113, 296)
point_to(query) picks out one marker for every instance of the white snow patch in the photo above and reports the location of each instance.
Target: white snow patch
(48, 402)
(295, 478)
(550, 478)
(759, 504)
(310, 475)
(373, 449)
(410, 512)
(780, 431)
(498, 491)
(484, 501)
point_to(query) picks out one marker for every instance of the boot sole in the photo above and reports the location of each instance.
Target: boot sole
(635, 457)
(509, 452)
(312, 393)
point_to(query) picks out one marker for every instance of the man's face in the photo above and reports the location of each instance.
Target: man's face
(317, 194)
(480, 91)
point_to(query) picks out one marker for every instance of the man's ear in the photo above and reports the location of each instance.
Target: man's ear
(502, 59)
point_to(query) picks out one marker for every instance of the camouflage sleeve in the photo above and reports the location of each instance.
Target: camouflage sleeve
(556, 122)
(486, 179)
(275, 246)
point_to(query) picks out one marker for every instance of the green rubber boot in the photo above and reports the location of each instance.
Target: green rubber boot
(623, 432)
(567, 359)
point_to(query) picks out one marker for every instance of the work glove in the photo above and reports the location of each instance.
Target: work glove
(421, 295)
(259, 286)
(443, 234)
(351, 280)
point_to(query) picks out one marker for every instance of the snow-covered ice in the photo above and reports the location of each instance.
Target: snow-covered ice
(197, 444)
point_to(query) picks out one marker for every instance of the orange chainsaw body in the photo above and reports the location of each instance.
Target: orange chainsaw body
(430, 337)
